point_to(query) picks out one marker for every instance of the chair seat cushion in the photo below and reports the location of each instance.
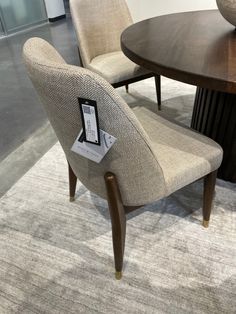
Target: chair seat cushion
(115, 67)
(183, 154)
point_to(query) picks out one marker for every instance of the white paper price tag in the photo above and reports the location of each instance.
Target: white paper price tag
(91, 151)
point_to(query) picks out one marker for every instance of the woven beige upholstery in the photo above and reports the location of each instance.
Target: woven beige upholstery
(183, 155)
(98, 25)
(115, 67)
(151, 158)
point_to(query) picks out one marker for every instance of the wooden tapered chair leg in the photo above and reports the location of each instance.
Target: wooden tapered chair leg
(127, 88)
(208, 196)
(72, 183)
(158, 90)
(118, 221)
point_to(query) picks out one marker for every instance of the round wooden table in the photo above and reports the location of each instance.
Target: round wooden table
(197, 48)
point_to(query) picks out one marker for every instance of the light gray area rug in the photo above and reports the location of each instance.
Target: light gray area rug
(56, 256)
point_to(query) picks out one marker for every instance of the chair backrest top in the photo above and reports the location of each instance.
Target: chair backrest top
(59, 85)
(98, 26)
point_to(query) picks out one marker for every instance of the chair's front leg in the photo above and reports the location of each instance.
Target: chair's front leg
(72, 183)
(118, 221)
(208, 195)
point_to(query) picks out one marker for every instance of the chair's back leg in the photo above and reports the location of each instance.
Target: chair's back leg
(127, 88)
(208, 195)
(158, 90)
(118, 221)
(80, 59)
(72, 183)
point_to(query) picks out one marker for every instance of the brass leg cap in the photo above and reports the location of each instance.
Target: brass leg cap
(118, 275)
(205, 223)
(72, 198)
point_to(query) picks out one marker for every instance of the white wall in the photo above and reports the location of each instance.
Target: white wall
(54, 8)
(143, 9)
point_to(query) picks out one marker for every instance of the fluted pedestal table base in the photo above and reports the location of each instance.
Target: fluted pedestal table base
(214, 115)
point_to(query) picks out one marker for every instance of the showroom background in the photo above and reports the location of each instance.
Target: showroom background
(142, 9)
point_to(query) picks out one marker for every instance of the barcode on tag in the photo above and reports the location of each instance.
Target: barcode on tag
(86, 109)
(89, 116)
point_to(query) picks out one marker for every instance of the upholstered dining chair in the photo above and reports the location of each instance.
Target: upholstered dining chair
(151, 158)
(98, 25)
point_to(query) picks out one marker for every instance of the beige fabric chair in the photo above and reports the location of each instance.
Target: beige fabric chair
(152, 157)
(98, 25)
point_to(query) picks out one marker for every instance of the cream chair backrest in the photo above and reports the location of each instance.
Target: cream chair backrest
(131, 158)
(98, 25)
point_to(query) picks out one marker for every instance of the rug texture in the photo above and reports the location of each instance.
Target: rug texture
(57, 257)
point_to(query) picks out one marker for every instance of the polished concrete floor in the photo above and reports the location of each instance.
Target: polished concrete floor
(21, 114)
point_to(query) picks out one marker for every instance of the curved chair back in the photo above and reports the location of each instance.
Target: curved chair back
(98, 25)
(131, 158)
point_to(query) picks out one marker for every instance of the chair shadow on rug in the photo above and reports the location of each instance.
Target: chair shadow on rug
(185, 202)
(151, 159)
(176, 109)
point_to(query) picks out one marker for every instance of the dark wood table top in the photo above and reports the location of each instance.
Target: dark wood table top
(197, 48)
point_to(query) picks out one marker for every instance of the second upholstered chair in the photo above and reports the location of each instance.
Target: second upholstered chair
(98, 26)
(151, 158)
